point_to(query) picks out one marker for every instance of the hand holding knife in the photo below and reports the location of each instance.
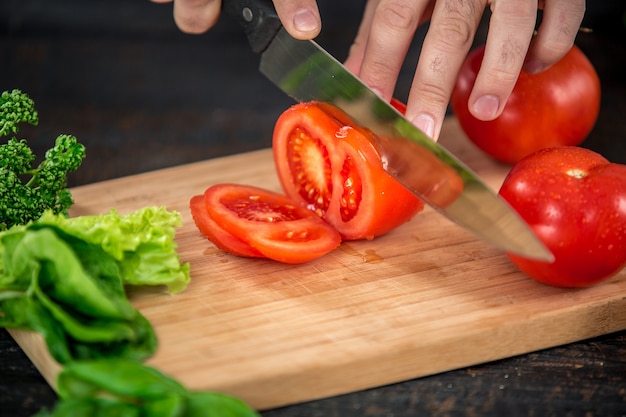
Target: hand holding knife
(306, 72)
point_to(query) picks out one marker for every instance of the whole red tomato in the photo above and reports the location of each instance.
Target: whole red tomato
(557, 107)
(575, 201)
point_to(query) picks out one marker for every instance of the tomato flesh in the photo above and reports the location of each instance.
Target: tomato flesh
(308, 159)
(336, 187)
(271, 223)
(350, 200)
(330, 165)
(216, 234)
(575, 201)
(556, 107)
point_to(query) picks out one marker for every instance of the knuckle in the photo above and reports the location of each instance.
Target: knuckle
(524, 9)
(432, 95)
(502, 78)
(454, 27)
(556, 36)
(511, 56)
(505, 70)
(191, 25)
(551, 51)
(194, 16)
(398, 15)
(380, 75)
(454, 31)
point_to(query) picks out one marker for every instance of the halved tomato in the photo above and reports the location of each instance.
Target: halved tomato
(271, 223)
(216, 234)
(332, 166)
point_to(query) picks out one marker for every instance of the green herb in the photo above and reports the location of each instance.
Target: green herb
(28, 191)
(128, 388)
(65, 277)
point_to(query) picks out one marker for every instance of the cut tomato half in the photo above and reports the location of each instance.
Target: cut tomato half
(331, 165)
(270, 223)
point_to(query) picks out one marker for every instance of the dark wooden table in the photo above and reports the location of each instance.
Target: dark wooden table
(141, 96)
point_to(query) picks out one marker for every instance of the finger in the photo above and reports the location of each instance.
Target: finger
(357, 49)
(511, 28)
(301, 18)
(449, 37)
(196, 16)
(392, 28)
(556, 33)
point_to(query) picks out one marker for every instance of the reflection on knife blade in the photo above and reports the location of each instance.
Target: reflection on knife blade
(422, 172)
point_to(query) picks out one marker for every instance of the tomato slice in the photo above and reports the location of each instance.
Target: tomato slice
(330, 165)
(271, 223)
(216, 234)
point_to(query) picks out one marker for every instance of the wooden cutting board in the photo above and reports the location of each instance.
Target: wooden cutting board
(425, 298)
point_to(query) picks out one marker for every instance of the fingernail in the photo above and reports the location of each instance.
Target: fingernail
(534, 66)
(486, 107)
(425, 123)
(305, 21)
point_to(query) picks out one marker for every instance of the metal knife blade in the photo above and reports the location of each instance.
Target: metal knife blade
(306, 72)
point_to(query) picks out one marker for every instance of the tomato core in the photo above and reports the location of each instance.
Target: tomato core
(309, 161)
(577, 173)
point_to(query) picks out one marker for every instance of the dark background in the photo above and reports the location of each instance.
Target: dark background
(119, 73)
(141, 95)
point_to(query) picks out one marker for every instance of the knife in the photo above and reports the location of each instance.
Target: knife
(306, 72)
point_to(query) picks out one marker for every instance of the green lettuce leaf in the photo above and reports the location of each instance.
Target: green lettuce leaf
(65, 278)
(142, 242)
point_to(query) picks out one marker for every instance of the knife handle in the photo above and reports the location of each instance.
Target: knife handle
(258, 18)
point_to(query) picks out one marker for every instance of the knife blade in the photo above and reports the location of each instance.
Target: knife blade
(306, 72)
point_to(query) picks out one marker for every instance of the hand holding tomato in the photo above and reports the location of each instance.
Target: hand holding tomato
(556, 107)
(575, 201)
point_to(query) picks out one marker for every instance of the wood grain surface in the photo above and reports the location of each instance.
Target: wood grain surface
(425, 298)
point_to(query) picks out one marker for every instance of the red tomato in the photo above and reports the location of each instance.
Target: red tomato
(330, 165)
(270, 223)
(557, 107)
(419, 168)
(216, 234)
(575, 201)
(398, 105)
